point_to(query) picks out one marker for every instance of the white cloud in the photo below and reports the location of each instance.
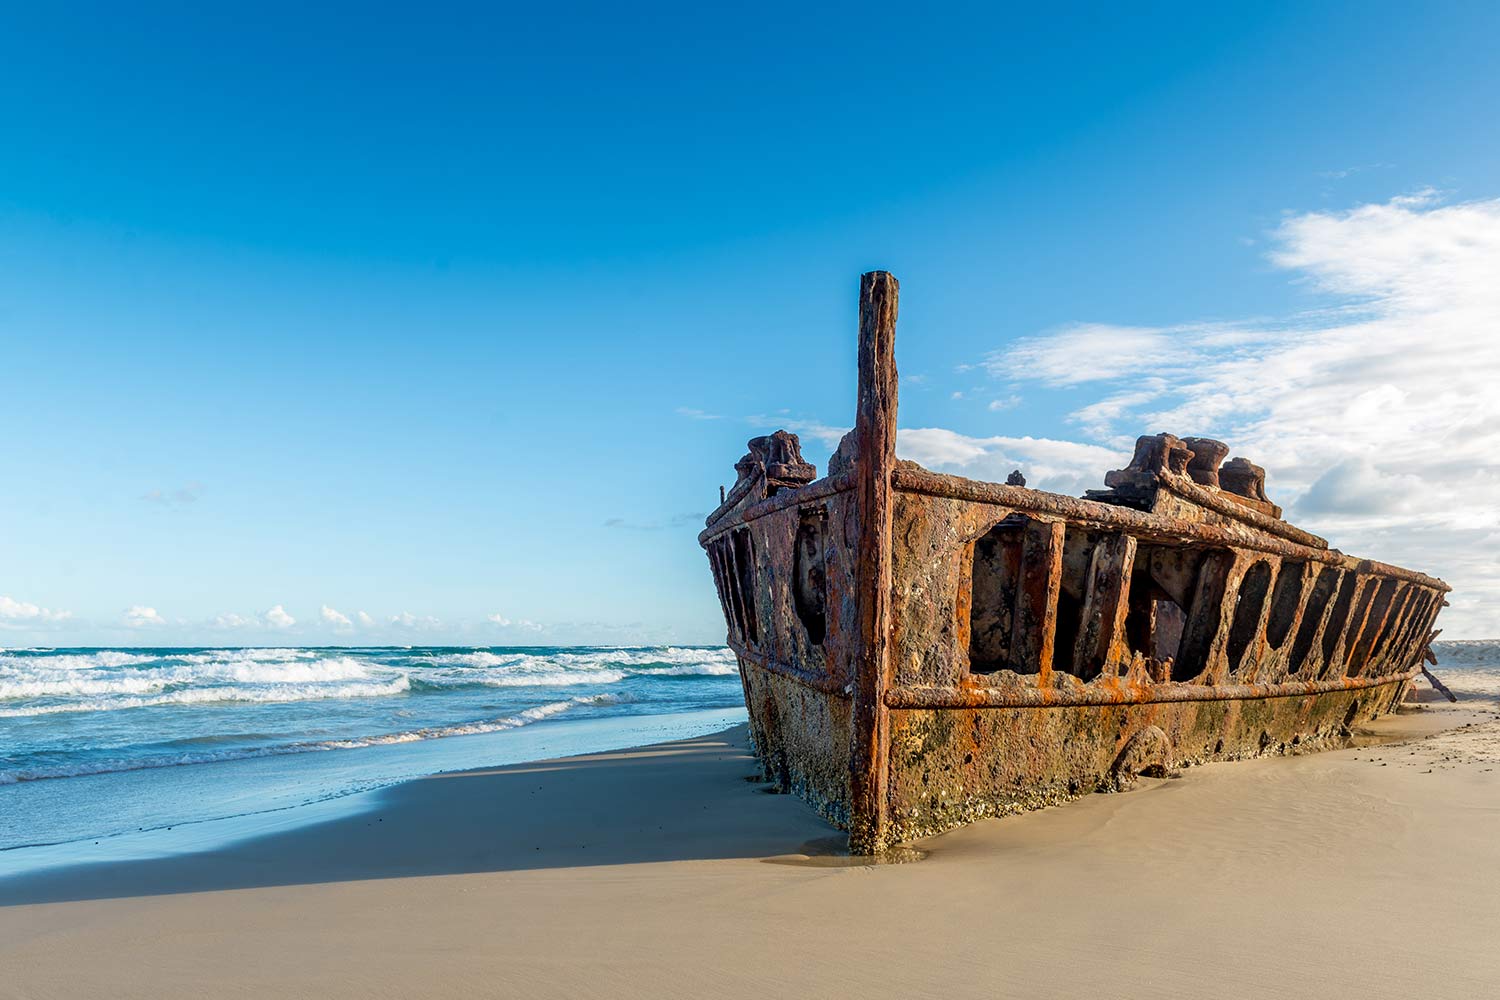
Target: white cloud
(276, 617)
(364, 619)
(1098, 419)
(1355, 486)
(180, 495)
(140, 616)
(692, 414)
(521, 623)
(230, 620)
(334, 618)
(805, 430)
(1048, 464)
(1083, 352)
(1377, 417)
(12, 610)
(409, 621)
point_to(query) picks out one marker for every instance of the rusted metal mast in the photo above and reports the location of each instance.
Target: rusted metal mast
(875, 437)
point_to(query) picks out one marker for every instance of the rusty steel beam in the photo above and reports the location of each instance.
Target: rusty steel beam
(1034, 626)
(819, 680)
(1101, 634)
(1208, 615)
(1151, 527)
(875, 444)
(1118, 693)
(1215, 501)
(822, 489)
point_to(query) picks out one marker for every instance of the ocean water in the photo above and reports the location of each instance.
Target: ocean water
(95, 743)
(1469, 668)
(106, 746)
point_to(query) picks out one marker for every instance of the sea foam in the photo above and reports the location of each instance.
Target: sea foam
(270, 694)
(106, 766)
(88, 711)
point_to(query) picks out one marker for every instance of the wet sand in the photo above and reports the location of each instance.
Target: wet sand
(666, 872)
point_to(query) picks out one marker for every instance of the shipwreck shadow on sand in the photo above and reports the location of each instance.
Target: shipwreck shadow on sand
(685, 800)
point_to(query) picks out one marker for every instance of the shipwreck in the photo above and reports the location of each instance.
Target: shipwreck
(921, 650)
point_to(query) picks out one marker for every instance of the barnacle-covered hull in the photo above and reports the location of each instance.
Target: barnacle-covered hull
(920, 650)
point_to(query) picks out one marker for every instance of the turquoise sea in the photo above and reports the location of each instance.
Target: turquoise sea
(101, 743)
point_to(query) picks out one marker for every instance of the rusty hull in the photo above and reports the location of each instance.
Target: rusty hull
(921, 650)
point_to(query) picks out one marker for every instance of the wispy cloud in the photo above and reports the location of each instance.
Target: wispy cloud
(675, 521)
(1341, 173)
(141, 616)
(692, 414)
(24, 615)
(825, 434)
(1048, 464)
(277, 617)
(1376, 417)
(518, 623)
(408, 622)
(12, 610)
(1084, 352)
(338, 620)
(175, 497)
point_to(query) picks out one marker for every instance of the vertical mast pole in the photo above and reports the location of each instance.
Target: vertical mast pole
(875, 436)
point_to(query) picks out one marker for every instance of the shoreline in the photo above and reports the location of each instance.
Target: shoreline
(664, 871)
(302, 794)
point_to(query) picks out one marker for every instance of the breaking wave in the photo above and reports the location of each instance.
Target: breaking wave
(72, 661)
(211, 695)
(515, 721)
(52, 681)
(67, 712)
(634, 659)
(482, 668)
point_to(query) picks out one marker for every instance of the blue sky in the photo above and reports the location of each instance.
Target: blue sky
(459, 316)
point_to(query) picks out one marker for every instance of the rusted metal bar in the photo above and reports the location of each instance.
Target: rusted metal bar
(824, 681)
(1297, 579)
(1349, 626)
(1381, 609)
(1101, 634)
(1203, 636)
(1117, 693)
(1407, 648)
(1214, 501)
(736, 596)
(1148, 527)
(1438, 684)
(875, 444)
(1245, 663)
(822, 489)
(1033, 634)
(1395, 621)
(722, 585)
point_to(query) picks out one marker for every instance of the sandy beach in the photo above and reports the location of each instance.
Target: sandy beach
(669, 871)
